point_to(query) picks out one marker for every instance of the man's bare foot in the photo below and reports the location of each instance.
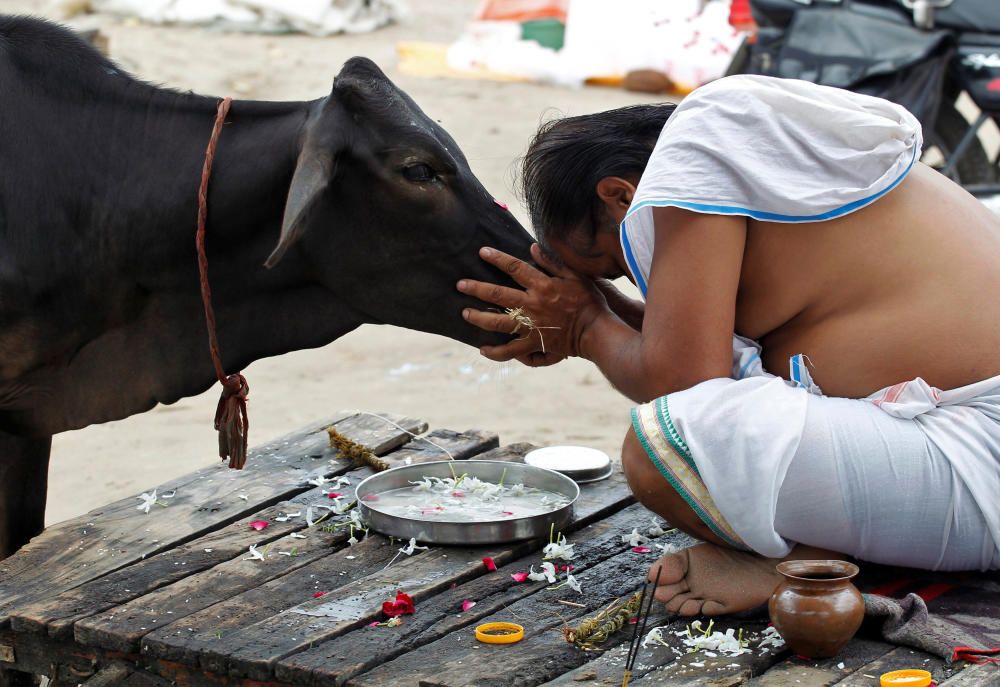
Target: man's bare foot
(707, 579)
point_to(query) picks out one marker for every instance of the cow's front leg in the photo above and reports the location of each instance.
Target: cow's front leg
(24, 476)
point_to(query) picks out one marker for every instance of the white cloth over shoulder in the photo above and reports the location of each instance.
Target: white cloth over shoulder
(778, 150)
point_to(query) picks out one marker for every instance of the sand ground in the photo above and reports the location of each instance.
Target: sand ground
(375, 368)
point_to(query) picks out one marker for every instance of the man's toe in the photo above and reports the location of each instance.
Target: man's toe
(691, 607)
(716, 608)
(672, 568)
(677, 601)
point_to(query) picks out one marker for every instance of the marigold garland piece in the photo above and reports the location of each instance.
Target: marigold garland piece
(352, 450)
(594, 631)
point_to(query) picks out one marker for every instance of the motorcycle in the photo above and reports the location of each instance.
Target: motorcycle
(931, 56)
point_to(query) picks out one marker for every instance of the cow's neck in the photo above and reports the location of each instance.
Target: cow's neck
(140, 335)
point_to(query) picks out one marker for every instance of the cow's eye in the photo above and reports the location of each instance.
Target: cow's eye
(418, 172)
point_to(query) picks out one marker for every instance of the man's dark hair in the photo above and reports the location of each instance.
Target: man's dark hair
(568, 156)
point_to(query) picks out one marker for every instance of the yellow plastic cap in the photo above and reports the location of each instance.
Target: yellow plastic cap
(905, 678)
(499, 633)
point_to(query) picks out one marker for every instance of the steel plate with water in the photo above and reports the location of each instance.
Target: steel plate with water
(432, 528)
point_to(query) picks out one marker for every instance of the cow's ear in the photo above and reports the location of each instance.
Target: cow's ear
(312, 175)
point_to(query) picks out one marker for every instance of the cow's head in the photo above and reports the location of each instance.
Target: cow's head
(386, 212)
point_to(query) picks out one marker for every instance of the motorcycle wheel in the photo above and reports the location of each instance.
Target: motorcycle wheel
(974, 167)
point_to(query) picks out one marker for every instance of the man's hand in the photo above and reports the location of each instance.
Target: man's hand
(560, 305)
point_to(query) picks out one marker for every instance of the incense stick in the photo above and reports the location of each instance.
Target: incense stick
(643, 617)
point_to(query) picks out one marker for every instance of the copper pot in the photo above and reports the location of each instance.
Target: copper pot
(816, 608)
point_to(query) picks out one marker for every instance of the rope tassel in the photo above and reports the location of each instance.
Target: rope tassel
(231, 419)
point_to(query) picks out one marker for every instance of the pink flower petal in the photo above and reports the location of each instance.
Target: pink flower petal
(316, 595)
(370, 497)
(641, 549)
(633, 620)
(501, 203)
(466, 605)
(259, 525)
(489, 563)
(458, 494)
(508, 513)
(374, 624)
(333, 494)
(566, 568)
(520, 576)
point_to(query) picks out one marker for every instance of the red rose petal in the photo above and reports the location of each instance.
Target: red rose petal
(403, 605)
(520, 576)
(259, 525)
(333, 494)
(489, 563)
(466, 605)
(316, 595)
(507, 513)
(641, 549)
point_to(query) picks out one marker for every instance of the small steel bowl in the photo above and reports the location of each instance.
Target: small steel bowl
(489, 532)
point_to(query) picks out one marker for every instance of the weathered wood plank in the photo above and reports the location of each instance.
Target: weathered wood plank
(457, 659)
(455, 445)
(119, 627)
(896, 659)
(254, 651)
(56, 613)
(261, 602)
(664, 664)
(110, 538)
(987, 675)
(856, 661)
(335, 661)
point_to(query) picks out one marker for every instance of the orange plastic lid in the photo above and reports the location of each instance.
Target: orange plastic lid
(905, 678)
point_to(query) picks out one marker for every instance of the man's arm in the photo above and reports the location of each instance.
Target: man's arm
(687, 329)
(629, 310)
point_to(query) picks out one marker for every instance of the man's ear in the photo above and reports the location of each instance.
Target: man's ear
(313, 173)
(616, 193)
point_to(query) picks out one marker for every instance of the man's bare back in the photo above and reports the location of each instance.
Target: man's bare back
(894, 291)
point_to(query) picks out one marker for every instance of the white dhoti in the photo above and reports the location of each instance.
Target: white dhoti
(908, 476)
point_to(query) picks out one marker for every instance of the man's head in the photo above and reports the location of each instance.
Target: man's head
(580, 173)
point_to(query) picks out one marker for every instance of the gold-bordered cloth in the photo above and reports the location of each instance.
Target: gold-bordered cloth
(670, 454)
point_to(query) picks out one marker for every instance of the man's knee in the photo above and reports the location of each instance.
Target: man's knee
(643, 478)
(653, 491)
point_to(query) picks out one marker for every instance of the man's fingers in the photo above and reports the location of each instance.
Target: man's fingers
(520, 271)
(512, 351)
(491, 321)
(492, 293)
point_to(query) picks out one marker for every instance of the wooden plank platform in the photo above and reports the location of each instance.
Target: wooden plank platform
(173, 596)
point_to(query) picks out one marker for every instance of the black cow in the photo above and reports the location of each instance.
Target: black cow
(362, 208)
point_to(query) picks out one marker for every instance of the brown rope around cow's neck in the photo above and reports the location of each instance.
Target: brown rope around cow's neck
(231, 419)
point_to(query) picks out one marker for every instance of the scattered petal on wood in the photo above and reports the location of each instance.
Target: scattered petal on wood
(641, 549)
(466, 605)
(520, 576)
(148, 500)
(333, 494)
(489, 563)
(402, 605)
(259, 525)
(317, 595)
(411, 547)
(255, 555)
